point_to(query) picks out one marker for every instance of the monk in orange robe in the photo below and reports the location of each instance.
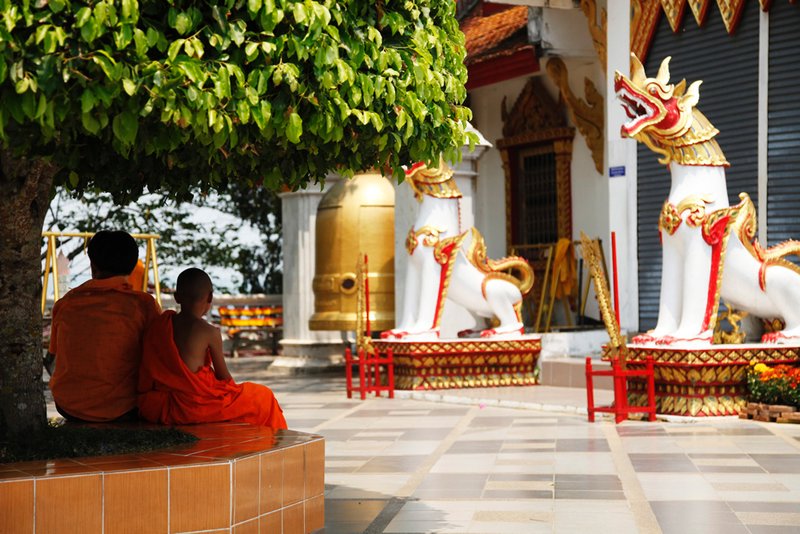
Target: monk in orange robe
(184, 379)
(96, 336)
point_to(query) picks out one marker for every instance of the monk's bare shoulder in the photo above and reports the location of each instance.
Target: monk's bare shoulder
(210, 331)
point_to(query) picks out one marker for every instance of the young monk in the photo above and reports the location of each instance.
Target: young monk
(183, 378)
(96, 336)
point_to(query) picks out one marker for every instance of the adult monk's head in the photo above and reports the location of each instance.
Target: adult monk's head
(193, 287)
(112, 253)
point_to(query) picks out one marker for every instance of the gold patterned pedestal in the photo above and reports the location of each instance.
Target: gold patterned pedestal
(468, 363)
(700, 382)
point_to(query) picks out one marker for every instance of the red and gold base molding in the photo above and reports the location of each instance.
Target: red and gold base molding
(705, 381)
(463, 363)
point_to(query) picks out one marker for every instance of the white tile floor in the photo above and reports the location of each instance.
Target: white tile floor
(525, 459)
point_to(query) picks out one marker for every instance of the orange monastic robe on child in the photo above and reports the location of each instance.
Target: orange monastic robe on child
(169, 393)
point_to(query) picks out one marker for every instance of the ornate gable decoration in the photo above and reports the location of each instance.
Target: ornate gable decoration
(644, 19)
(645, 13)
(699, 9)
(533, 111)
(674, 9)
(731, 11)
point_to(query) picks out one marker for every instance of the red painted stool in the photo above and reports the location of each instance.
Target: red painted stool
(371, 369)
(620, 408)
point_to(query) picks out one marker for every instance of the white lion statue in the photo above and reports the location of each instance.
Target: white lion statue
(446, 263)
(709, 247)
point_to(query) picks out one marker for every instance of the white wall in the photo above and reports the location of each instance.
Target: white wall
(490, 202)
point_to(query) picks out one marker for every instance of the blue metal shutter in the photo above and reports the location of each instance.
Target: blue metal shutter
(728, 66)
(783, 130)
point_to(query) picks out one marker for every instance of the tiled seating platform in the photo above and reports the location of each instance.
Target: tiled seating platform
(237, 478)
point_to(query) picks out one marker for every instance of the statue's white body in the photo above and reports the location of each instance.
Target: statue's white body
(448, 264)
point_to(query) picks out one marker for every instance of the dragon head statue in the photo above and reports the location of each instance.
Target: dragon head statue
(663, 116)
(656, 108)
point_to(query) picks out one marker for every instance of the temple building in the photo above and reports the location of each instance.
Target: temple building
(553, 164)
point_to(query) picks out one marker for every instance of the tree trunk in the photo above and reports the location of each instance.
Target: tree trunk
(25, 186)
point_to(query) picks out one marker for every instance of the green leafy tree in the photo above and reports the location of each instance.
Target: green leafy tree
(174, 95)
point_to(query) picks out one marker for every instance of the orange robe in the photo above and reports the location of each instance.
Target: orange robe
(169, 393)
(96, 336)
(137, 277)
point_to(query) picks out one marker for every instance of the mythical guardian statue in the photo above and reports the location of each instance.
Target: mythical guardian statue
(709, 248)
(446, 263)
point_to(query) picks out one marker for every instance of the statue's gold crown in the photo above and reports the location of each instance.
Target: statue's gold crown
(437, 182)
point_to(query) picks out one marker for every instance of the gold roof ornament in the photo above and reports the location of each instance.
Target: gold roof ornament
(437, 182)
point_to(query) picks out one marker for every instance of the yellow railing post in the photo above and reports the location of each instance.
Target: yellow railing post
(50, 261)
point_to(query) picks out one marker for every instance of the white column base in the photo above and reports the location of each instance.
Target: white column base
(306, 357)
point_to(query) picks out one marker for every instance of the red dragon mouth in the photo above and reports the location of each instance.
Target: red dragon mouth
(640, 110)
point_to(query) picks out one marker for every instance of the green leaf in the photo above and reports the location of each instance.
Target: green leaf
(41, 31)
(89, 30)
(250, 50)
(129, 86)
(243, 111)
(100, 13)
(253, 5)
(110, 67)
(56, 6)
(74, 179)
(82, 16)
(22, 85)
(141, 41)
(294, 128)
(183, 23)
(125, 126)
(299, 12)
(130, 10)
(3, 70)
(89, 122)
(152, 36)
(174, 48)
(222, 85)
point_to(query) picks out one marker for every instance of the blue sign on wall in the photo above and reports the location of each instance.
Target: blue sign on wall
(616, 171)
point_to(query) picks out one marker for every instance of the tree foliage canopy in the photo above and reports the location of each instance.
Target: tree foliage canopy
(127, 94)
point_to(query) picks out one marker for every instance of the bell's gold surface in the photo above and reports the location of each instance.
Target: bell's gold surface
(355, 217)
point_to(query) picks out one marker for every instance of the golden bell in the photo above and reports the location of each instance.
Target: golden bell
(355, 217)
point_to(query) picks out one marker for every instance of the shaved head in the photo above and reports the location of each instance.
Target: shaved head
(193, 285)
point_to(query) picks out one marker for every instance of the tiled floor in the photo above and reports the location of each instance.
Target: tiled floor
(474, 463)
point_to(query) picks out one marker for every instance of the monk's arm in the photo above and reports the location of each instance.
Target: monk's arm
(217, 357)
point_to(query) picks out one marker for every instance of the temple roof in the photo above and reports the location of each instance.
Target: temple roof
(497, 44)
(496, 35)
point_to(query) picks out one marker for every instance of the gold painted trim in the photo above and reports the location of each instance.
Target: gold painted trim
(674, 10)
(699, 10)
(466, 346)
(448, 262)
(434, 182)
(596, 29)
(493, 269)
(587, 115)
(590, 249)
(431, 238)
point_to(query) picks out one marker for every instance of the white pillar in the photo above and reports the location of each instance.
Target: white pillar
(620, 171)
(304, 350)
